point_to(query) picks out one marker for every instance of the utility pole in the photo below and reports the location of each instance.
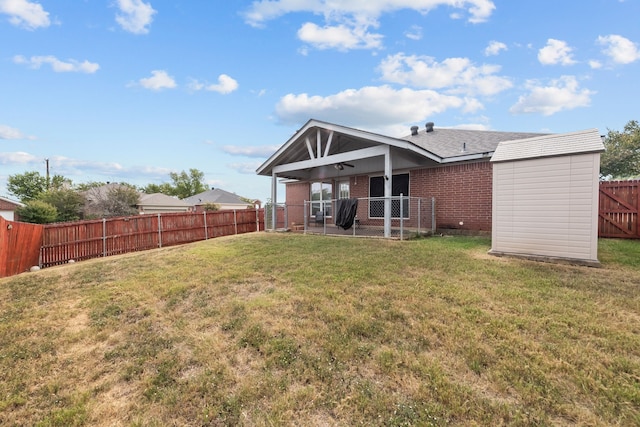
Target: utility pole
(46, 161)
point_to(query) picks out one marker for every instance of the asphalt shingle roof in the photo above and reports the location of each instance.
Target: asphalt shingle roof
(586, 141)
(446, 143)
(214, 196)
(159, 199)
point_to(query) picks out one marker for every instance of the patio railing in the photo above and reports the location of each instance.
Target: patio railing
(410, 216)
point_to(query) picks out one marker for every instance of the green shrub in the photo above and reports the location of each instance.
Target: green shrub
(37, 212)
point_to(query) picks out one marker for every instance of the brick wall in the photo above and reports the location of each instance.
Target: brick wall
(462, 192)
(296, 194)
(7, 206)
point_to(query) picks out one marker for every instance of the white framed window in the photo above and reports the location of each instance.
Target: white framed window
(321, 195)
(343, 189)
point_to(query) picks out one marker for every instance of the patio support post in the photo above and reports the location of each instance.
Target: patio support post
(274, 198)
(388, 174)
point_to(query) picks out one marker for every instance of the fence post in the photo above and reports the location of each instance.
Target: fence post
(159, 231)
(324, 217)
(433, 214)
(286, 217)
(419, 213)
(104, 237)
(401, 217)
(257, 219)
(235, 221)
(206, 232)
(306, 217)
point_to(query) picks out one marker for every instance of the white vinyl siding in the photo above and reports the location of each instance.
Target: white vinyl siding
(547, 206)
(8, 215)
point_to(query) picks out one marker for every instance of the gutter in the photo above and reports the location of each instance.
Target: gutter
(478, 156)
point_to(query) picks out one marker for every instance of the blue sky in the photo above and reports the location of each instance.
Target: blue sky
(131, 90)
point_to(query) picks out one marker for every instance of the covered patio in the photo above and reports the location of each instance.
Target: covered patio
(321, 151)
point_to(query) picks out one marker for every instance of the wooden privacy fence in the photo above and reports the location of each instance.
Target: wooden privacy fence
(100, 238)
(19, 246)
(619, 209)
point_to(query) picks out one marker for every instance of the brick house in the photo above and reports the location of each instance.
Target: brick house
(8, 209)
(325, 160)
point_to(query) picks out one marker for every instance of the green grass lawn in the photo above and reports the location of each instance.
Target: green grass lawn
(273, 329)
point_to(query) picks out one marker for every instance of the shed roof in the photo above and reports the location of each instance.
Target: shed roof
(586, 141)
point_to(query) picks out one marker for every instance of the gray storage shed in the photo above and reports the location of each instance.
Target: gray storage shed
(545, 197)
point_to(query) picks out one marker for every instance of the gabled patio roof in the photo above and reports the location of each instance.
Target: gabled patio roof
(314, 150)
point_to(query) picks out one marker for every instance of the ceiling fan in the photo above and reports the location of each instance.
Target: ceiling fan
(340, 166)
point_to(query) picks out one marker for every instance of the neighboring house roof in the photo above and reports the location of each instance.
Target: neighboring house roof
(159, 199)
(217, 196)
(586, 141)
(4, 202)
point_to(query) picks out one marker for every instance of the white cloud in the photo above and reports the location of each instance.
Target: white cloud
(340, 37)
(472, 126)
(266, 10)
(245, 168)
(560, 94)
(556, 52)
(224, 86)
(57, 65)
(7, 132)
(377, 108)
(67, 165)
(494, 48)
(414, 33)
(595, 64)
(25, 14)
(260, 151)
(135, 16)
(455, 75)
(158, 81)
(620, 49)
(347, 23)
(19, 158)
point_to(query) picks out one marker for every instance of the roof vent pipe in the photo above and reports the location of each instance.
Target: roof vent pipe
(429, 126)
(414, 130)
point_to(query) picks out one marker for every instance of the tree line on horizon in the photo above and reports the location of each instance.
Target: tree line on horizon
(58, 199)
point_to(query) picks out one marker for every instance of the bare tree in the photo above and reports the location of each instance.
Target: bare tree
(112, 200)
